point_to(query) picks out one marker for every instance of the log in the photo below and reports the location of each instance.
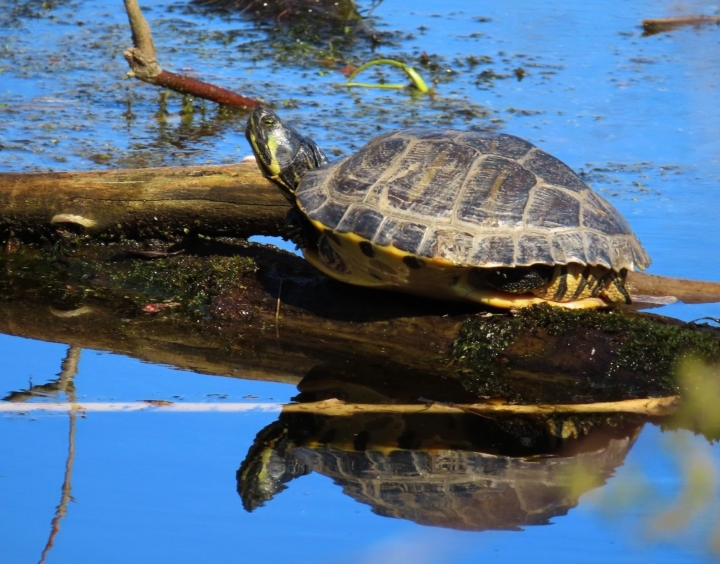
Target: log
(337, 408)
(164, 203)
(172, 203)
(642, 285)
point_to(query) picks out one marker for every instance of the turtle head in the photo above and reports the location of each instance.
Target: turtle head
(282, 154)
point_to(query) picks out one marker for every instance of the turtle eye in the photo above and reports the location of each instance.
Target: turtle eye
(268, 122)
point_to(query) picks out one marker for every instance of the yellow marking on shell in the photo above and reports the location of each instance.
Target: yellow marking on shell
(437, 278)
(496, 185)
(382, 267)
(418, 188)
(375, 446)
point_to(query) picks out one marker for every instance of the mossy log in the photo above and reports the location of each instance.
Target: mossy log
(238, 309)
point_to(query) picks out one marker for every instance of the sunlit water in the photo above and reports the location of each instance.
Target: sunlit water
(639, 115)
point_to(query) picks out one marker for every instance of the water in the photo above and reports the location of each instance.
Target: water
(638, 115)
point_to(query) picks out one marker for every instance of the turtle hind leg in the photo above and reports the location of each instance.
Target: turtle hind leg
(615, 289)
(571, 282)
(519, 280)
(561, 286)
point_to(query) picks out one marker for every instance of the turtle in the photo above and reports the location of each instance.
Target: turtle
(449, 214)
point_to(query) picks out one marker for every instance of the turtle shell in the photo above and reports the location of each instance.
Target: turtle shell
(469, 199)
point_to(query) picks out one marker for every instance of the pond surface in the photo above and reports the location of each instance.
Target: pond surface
(637, 115)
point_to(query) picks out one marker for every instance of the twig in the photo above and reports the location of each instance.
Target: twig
(61, 509)
(658, 25)
(142, 58)
(333, 407)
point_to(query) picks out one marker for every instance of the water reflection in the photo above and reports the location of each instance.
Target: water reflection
(460, 471)
(464, 471)
(64, 384)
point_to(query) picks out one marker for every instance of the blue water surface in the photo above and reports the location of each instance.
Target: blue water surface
(639, 115)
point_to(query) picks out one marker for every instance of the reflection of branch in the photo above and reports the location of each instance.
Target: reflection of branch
(143, 62)
(647, 406)
(61, 509)
(68, 369)
(65, 383)
(62, 384)
(334, 407)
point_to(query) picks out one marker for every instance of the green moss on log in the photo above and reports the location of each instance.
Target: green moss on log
(639, 358)
(67, 276)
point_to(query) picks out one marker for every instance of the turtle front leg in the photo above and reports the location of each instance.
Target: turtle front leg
(300, 231)
(317, 248)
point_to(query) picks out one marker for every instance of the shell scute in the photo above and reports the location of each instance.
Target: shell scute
(552, 208)
(329, 214)
(599, 249)
(314, 198)
(425, 171)
(401, 234)
(534, 249)
(568, 247)
(450, 245)
(362, 221)
(495, 193)
(353, 176)
(602, 217)
(494, 250)
(553, 171)
(499, 144)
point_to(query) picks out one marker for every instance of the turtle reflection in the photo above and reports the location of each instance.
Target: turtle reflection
(461, 471)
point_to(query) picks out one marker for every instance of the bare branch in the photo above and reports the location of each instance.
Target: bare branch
(142, 59)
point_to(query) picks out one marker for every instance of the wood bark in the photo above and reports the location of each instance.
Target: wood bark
(143, 203)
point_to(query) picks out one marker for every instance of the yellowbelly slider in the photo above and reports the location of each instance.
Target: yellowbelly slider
(462, 215)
